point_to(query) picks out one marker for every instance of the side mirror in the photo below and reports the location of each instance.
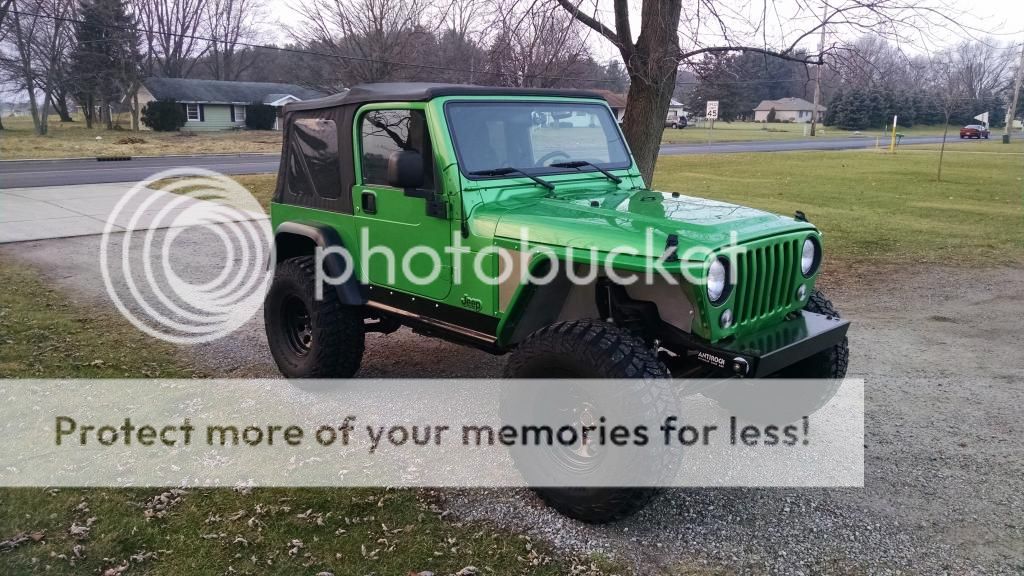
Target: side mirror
(405, 169)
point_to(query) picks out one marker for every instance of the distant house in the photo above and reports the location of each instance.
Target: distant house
(675, 110)
(616, 101)
(218, 104)
(787, 110)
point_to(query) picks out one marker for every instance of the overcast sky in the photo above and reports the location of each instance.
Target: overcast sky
(1004, 19)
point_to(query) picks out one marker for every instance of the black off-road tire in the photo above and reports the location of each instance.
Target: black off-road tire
(332, 343)
(831, 363)
(593, 349)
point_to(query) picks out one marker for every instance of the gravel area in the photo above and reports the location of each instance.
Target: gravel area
(944, 480)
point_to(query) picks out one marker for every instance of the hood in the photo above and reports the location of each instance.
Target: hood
(621, 220)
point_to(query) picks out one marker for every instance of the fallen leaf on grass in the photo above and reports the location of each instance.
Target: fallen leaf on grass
(79, 531)
(19, 539)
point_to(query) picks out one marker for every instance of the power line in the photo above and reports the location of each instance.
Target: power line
(420, 65)
(368, 60)
(305, 52)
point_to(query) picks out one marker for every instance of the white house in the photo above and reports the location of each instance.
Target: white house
(787, 110)
(219, 104)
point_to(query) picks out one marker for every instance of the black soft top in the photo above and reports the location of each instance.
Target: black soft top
(422, 91)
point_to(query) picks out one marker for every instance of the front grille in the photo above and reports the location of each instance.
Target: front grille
(766, 280)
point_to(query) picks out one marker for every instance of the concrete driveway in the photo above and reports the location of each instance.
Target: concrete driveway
(65, 211)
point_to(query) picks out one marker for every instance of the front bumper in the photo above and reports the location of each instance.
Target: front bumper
(766, 351)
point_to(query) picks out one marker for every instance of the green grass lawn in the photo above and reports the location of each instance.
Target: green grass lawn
(265, 531)
(872, 206)
(875, 207)
(74, 140)
(752, 131)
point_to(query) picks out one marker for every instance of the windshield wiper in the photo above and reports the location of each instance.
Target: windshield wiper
(577, 164)
(510, 170)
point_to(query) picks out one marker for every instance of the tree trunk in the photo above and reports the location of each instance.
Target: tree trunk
(942, 149)
(88, 106)
(44, 118)
(644, 121)
(135, 110)
(105, 114)
(60, 105)
(652, 65)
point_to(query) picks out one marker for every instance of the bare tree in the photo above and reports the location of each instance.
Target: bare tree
(5, 7)
(981, 67)
(466, 23)
(41, 37)
(536, 46)
(371, 38)
(653, 55)
(229, 22)
(170, 32)
(951, 90)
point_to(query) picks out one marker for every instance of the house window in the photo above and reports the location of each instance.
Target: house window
(192, 111)
(239, 113)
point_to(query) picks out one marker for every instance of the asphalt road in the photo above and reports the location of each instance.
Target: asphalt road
(32, 173)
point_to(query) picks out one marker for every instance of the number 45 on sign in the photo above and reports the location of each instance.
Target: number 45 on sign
(712, 111)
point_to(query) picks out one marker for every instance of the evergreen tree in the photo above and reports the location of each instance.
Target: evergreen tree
(905, 110)
(105, 59)
(877, 107)
(855, 112)
(929, 109)
(832, 112)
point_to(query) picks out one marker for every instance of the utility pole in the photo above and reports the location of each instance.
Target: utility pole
(1016, 94)
(817, 79)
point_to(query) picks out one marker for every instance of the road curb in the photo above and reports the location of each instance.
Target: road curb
(93, 158)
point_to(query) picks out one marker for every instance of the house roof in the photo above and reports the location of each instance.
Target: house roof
(787, 105)
(271, 98)
(614, 99)
(422, 91)
(221, 91)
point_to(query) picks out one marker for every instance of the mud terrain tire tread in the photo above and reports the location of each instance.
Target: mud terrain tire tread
(831, 363)
(338, 333)
(593, 349)
(609, 352)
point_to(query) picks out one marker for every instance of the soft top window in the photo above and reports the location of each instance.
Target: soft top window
(313, 166)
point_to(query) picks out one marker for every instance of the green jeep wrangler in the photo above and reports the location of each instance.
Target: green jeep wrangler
(515, 221)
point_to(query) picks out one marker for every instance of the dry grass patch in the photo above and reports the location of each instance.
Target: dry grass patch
(74, 140)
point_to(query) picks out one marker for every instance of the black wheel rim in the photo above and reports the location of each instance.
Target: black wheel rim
(298, 327)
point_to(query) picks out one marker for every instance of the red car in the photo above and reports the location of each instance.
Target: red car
(974, 131)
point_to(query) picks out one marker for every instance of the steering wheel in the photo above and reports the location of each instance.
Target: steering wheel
(543, 160)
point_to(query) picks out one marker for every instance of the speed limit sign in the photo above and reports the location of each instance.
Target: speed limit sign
(712, 111)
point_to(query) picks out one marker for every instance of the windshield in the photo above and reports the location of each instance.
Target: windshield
(531, 136)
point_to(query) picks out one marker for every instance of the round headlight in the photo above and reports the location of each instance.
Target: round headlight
(810, 257)
(717, 281)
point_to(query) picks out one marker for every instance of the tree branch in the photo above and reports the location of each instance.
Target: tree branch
(622, 29)
(593, 23)
(783, 54)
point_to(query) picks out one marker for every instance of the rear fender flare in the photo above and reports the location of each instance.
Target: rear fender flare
(293, 239)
